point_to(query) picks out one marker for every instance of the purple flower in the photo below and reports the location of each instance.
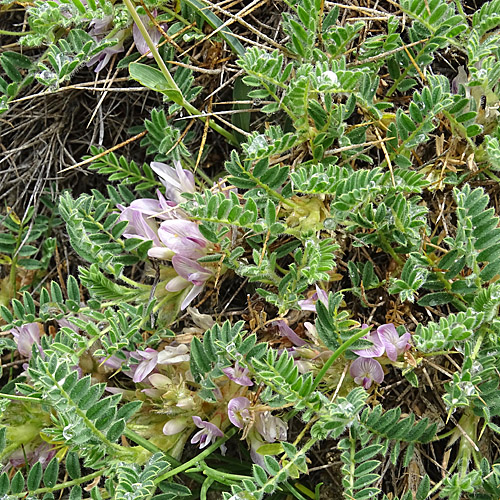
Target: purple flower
(376, 350)
(209, 432)
(173, 354)
(145, 367)
(310, 304)
(139, 226)
(287, 332)
(365, 371)
(238, 375)
(26, 336)
(182, 237)
(103, 57)
(99, 27)
(271, 428)
(153, 32)
(238, 413)
(255, 441)
(190, 272)
(393, 343)
(176, 180)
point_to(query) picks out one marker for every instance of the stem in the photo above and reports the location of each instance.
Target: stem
(15, 397)
(220, 476)
(179, 99)
(147, 445)
(196, 459)
(15, 33)
(387, 247)
(336, 355)
(61, 486)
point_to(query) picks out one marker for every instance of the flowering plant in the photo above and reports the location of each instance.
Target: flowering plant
(211, 333)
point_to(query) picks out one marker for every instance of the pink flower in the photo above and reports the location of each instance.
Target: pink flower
(376, 350)
(209, 432)
(365, 371)
(287, 332)
(153, 32)
(255, 441)
(139, 226)
(176, 180)
(145, 367)
(271, 428)
(310, 304)
(172, 355)
(190, 272)
(238, 375)
(238, 413)
(393, 343)
(103, 57)
(29, 454)
(100, 27)
(26, 336)
(182, 237)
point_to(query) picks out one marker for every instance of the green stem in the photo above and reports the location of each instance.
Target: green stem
(15, 33)
(221, 477)
(147, 445)
(387, 247)
(336, 355)
(196, 459)
(176, 93)
(61, 486)
(15, 397)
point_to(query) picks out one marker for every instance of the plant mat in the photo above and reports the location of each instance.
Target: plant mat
(45, 135)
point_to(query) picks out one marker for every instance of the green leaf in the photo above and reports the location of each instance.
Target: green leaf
(435, 299)
(198, 358)
(116, 430)
(75, 493)
(259, 474)
(4, 483)
(367, 453)
(17, 484)
(128, 409)
(73, 465)
(3, 431)
(154, 79)
(35, 476)
(204, 11)
(51, 473)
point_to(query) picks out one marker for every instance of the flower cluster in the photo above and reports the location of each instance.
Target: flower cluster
(174, 236)
(386, 340)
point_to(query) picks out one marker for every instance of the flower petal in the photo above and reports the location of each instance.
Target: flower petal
(366, 370)
(376, 350)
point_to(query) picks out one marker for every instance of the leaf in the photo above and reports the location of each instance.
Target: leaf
(51, 473)
(203, 10)
(75, 493)
(435, 299)
(3, 431)
(73, 465)
(154, 79)
(35, 476)
(116, 430)
(4, 483)
(17, 484)
(259, 474)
